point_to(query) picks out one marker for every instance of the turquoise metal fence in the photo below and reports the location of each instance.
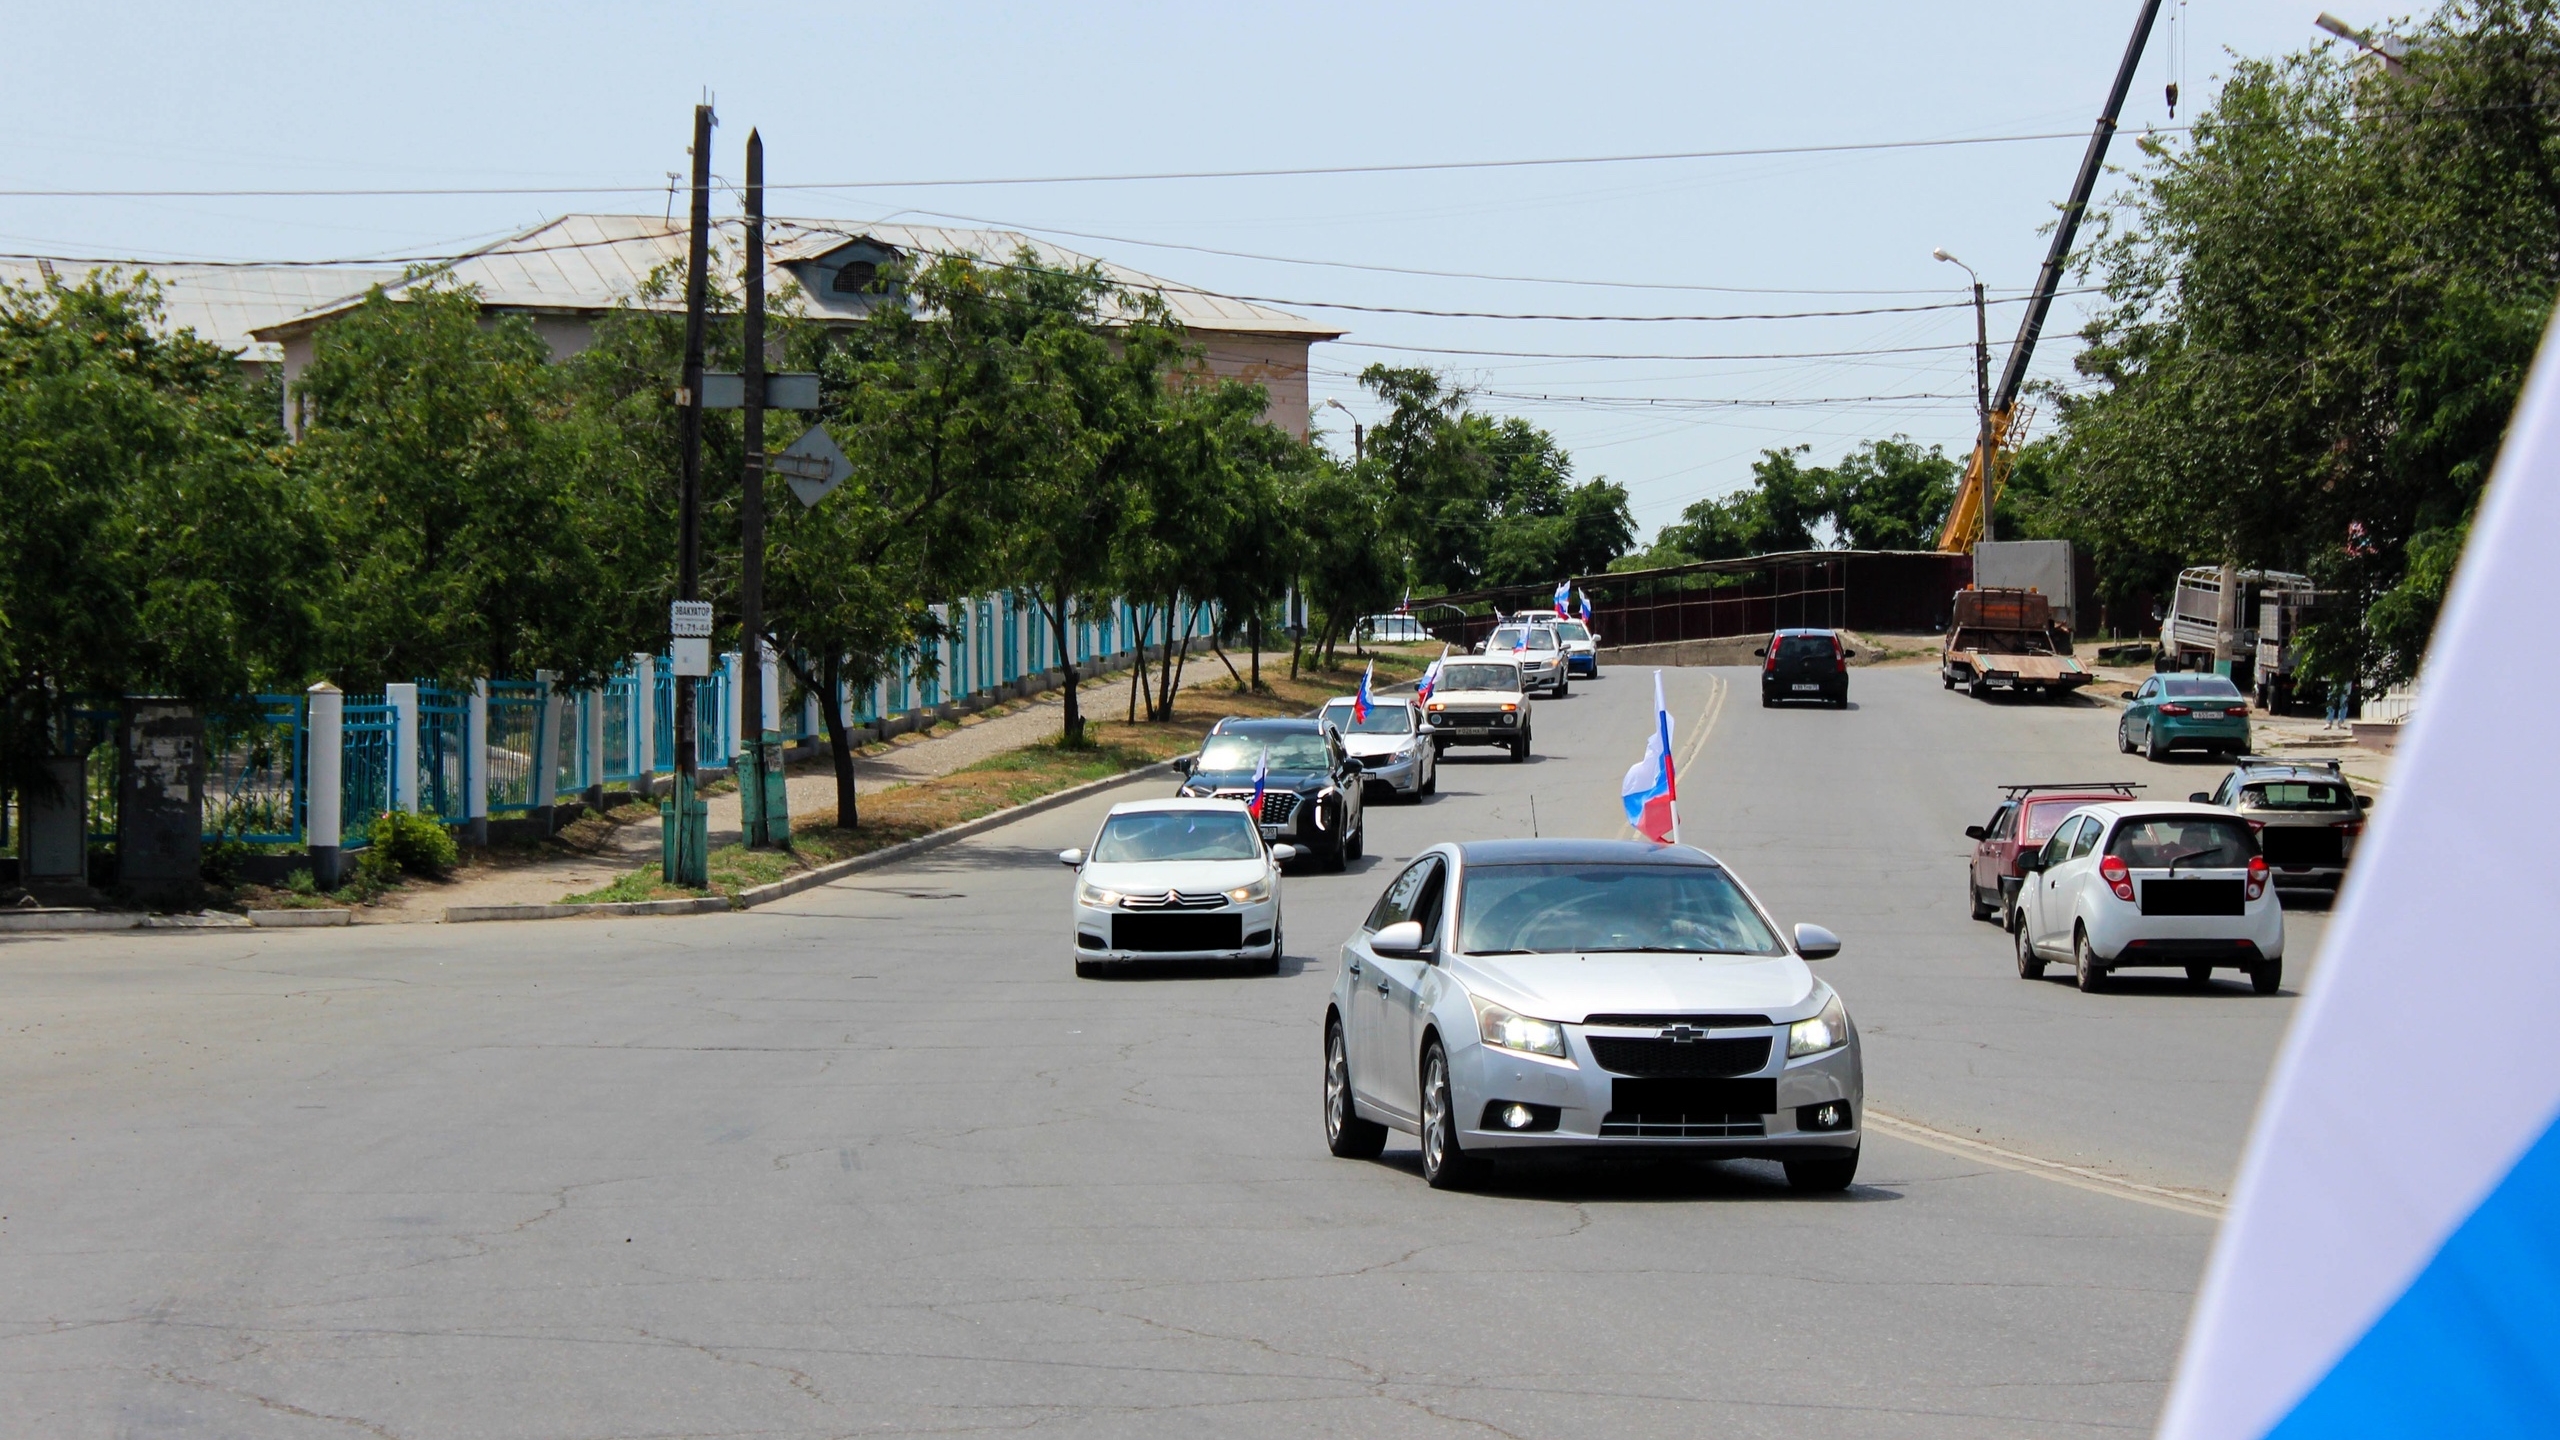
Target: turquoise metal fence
(621, 693)
(253, 773)
(516, 733)
(445, 769)
(366, 747)
(710, 718)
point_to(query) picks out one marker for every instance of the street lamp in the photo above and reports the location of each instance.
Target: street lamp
(1359, 435)
(2387, 48)
(1981, 385)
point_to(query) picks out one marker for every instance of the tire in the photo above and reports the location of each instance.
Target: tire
(1431, 783)
(1445, 1164)
(2030, 964)
(1345, 1134)
(1826, 1176)
(1977, 689)
(2152, 749)
(2267, 976)
(1335, 860)
(2124, 739)
(1358, 841)
(1982, 910)
(2199, 974)
(2086, 969)
(1768, 701)
(1946, 678)
(1519, 750)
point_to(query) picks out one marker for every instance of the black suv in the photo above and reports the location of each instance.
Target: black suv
(1805, 665)
(1310, 795)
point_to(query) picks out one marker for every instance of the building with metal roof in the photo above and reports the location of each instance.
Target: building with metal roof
(222, 304)
(563, 275)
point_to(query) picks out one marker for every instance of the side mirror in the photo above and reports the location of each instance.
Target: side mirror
(2364, 802)
(1973, 832)
(1283, 854)
(1184, 765)
(1072, 859)
(1351, 765)
(1403, 938)
(1760, 654)
(2200, 797)
(1815, 943)
(1848, 654)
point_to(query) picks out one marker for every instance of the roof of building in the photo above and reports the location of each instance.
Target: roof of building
(223, 304)
(581, 263)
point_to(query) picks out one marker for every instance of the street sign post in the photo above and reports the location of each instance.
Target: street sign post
(689, 638)
(814, 465)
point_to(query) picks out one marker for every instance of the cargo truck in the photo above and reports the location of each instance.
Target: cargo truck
(2007, 639)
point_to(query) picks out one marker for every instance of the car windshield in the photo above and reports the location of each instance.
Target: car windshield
(1805, 647)
(1505, 678)
(2199, 687)
(1571, 908)
(1571, 630)
(2043, 815)
(1177, 835)
(1383, 719)
(1512, 637)
(2191, 842)
(2296, 795)
(1298, 751)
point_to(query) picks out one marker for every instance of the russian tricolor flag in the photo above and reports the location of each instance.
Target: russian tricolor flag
(1360, 702)
(1564, 598)
(1261, 774)
(1650, 792)
(1430, 680)
(2391, 1263)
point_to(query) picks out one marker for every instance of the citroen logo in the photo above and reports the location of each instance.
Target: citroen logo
(1683, 1034)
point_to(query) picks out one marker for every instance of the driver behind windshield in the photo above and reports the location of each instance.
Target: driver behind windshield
(1383, 719)
(1295, 751)
(1567, 908)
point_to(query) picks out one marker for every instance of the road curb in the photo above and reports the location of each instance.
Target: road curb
(906, 849)
(37, 922)
(470, 914)
(305, 919)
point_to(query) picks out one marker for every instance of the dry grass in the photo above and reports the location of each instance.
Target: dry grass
(1113, 746)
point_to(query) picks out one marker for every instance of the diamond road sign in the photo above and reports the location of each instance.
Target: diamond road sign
(813, 465)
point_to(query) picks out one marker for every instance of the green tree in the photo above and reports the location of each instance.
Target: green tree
(1889, 494)
(433, 444)
(155, 543)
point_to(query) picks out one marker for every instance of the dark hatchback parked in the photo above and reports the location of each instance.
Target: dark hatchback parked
(1311, 795)
(1805, 665)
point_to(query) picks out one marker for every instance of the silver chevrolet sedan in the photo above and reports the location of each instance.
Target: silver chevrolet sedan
(1514, 995)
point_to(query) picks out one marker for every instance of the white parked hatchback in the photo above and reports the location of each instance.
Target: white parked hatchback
(2124, 885)
(1177, 879)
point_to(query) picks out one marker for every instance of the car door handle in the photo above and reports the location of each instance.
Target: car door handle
(1382, 987)
(1355, 967)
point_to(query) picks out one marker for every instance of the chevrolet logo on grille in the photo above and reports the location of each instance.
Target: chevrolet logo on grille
(1683, 1034)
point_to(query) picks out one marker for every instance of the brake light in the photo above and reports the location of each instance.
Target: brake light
(2174, 708)
(1837, 657)
(2118, 878)
(2237, 710)
(2348, 827)
(2257, 876)
(2257, 826)
(1771, 668)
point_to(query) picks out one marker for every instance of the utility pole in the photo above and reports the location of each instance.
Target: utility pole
(764, 828)
(1982, 400)
(686, 858)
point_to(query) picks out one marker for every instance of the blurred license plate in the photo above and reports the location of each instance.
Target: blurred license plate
(1808, 687)
(1268, 831)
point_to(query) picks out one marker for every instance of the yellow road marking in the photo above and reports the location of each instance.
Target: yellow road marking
(2079, 1177)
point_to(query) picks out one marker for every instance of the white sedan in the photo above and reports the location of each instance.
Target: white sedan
(1177, 879)
(2132, 884)
(1394, 752)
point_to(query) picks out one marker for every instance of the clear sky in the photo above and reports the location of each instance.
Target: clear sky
(340, 95)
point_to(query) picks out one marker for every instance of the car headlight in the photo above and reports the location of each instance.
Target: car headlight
(1506, 1029)
(1254, 893)
(1828, 1030)
(1096, 896)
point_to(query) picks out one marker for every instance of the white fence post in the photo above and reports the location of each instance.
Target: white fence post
(475, 764)
(324, 747)
(404, 745)
(734, 694)
(772, 677)
(546, 756)
(644, 723)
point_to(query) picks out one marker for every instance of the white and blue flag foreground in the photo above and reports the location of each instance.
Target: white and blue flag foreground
(2391, 1264)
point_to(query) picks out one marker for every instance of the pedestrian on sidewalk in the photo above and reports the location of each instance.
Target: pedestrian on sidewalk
(2342, 704)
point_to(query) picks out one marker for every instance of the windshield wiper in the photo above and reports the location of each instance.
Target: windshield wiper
(2188, 855)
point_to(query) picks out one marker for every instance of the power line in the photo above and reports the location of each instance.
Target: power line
(1611, 319)
(1647, 355)
(1691, 402)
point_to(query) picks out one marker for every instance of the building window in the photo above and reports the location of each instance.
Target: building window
(856, 277)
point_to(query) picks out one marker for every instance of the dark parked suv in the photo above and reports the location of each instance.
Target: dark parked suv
(1805, 665)
(1310, 795)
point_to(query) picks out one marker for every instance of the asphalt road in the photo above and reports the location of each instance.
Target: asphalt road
(873, 1161)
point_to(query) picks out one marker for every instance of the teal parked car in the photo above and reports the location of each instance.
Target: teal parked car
(2185, 712)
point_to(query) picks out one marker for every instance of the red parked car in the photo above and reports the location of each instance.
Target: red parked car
(2024, 821)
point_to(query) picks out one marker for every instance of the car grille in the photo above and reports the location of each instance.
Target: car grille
(1665, 1022)
(1469, 718)
(2193, 897)
(1689, 1109)
(1737, 1055)
(1174, 900)
(1165, 933)
(2302, 845)
(1277, 805)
